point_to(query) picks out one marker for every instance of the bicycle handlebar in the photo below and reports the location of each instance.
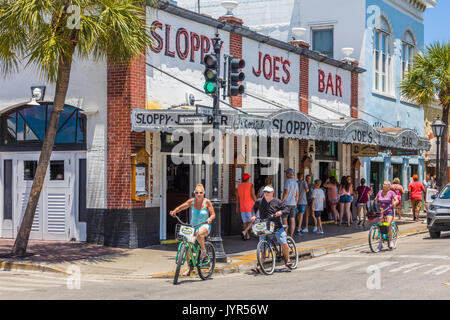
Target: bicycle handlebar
(187, 224)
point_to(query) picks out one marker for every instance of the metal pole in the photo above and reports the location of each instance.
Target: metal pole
(216, 231)
(437, 163)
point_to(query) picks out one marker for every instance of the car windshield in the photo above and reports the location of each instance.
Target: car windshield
(445, 194)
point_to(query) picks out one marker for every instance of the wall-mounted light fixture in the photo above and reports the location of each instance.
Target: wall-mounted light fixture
(37, 94)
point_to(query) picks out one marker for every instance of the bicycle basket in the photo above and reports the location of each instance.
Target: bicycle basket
(384, 228)
(183, 231)
(263, 228)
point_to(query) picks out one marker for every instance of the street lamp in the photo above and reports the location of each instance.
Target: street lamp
(438, 128)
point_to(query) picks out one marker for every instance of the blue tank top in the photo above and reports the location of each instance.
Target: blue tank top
(199, 216)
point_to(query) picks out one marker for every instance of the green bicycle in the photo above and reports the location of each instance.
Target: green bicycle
(189, 250)
(379, 232)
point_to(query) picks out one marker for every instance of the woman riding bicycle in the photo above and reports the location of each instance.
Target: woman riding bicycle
(387, 200)
(202, 211)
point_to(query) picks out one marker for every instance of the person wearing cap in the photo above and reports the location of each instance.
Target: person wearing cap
(272, 208)
(415, 189)
(245, 200)
(290, 198)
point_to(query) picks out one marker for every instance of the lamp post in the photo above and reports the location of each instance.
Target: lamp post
(216, 230)
(438, 129)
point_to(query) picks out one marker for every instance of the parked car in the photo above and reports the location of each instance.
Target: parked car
(438, 213)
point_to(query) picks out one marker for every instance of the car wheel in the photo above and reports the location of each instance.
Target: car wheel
(435, 234)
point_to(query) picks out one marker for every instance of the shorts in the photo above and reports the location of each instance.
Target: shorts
(390, 214)
(318, 214)
(345, 199)
(246, 217)
(416, 204)
(301, 208)
(280, 235)
(208, 226)
(292, 212)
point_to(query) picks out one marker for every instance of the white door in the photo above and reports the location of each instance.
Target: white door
(26, 170)
(54, 209)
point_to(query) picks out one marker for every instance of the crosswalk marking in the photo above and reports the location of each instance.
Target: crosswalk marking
(422, 266)
(405, 267)
(347, 266)
(438, 270)
(11, 284)
(385, 264)
(15, 289)
(319, 265)
(62, 281)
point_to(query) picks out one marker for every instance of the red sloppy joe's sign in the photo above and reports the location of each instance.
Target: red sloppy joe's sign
(274, 68)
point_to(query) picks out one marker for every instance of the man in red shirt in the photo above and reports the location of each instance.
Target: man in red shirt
(415, 189)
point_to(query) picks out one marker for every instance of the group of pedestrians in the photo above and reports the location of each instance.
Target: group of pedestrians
(304, 199)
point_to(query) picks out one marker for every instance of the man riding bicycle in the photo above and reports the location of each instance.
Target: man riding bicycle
(272, 208)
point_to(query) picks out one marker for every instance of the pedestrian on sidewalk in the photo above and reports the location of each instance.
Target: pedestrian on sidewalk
(363, 192)
(267, 182)
(202, 212)
(290, 198)
(416, 189)
(302, 203)
(399, 191)
(318, 200)
(308, 210)
(345, 201)
(245, 200)
(332, 196)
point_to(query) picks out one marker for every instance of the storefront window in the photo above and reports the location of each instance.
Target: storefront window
(28, 124)
(326, 150)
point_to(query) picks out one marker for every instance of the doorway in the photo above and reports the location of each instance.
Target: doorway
(262, 170)
(177, 192)
(54, 210)
(376, 176)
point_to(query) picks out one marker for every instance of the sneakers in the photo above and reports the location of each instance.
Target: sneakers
(315, 229)
(380, 246)
(319, 231)
(298, 231)
(305, 230)
(391, 245)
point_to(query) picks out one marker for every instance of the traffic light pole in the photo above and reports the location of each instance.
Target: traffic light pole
(216, 231)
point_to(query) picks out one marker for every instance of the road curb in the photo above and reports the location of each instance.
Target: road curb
(28, 266)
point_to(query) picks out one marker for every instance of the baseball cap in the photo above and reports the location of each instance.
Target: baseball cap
(268, 189)
(246, 176)
(290, 171)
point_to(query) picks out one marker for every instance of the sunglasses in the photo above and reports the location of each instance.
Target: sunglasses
(199, 192)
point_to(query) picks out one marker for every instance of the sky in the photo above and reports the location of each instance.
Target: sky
(437, 22)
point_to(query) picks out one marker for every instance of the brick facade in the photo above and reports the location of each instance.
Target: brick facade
(126, 90)
(354, 98)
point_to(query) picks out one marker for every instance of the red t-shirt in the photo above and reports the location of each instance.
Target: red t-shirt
(416, 188)
(363, 194)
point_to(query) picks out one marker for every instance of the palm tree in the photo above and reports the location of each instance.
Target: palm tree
(427, 82)
(46, 34)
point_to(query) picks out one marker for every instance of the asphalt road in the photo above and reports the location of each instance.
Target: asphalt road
(418, 269)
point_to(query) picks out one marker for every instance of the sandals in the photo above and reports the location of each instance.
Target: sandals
(256, 270)
(243, 236)
(188, 272)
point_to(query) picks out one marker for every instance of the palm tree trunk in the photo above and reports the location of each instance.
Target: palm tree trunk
(62, 84)
(443, 163)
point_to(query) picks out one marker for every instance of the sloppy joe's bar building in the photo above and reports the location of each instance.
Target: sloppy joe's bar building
(113, 179)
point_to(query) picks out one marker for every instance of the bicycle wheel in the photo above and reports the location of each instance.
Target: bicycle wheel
(266, 257)
(375, 238)
(206, 265)
(395, 233)
(180, 259)
(293, 253)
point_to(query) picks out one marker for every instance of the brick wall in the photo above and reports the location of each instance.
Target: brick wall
(236, 101)
(126, 90)
(354, 98)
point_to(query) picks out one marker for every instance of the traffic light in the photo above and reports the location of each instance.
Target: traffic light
(210, 73)
(235, 76)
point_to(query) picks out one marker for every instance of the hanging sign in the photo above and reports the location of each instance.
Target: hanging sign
(360, 150)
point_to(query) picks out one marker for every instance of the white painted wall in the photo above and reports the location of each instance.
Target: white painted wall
(87, 90)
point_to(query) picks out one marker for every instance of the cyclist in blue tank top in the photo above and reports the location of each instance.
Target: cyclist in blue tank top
(202, 212)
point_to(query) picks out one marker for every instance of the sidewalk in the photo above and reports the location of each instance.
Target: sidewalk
(159, 261)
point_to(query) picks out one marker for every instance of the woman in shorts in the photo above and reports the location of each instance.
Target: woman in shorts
(363, 192)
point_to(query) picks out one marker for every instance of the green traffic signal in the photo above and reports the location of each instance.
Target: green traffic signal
(209, 87)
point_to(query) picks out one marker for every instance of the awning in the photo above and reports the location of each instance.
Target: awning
(283, 123)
